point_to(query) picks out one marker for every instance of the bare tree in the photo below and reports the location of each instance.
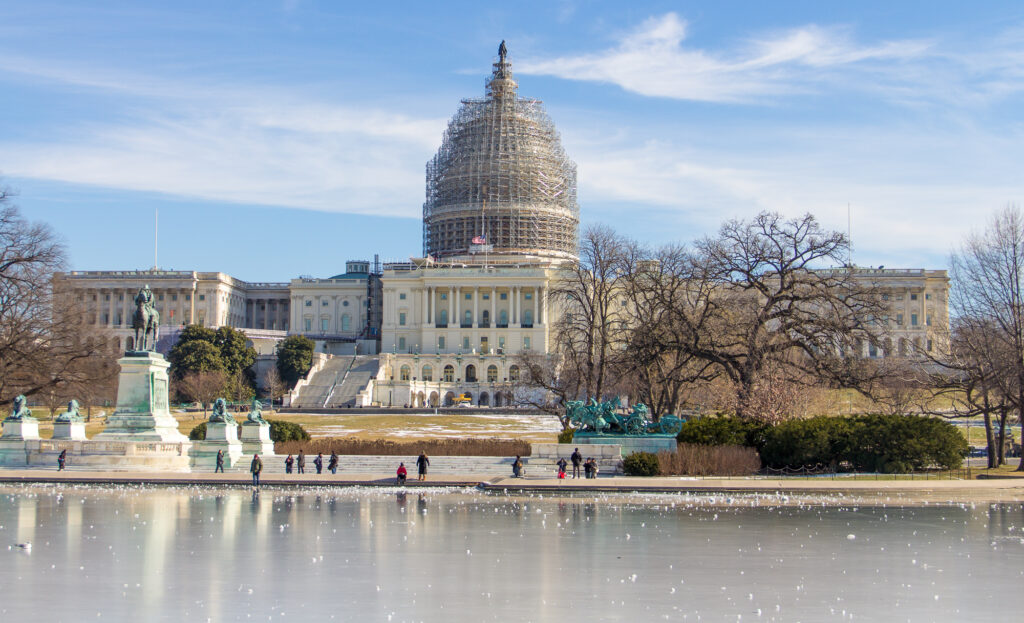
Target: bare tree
(46, 344)
(545, 385)
(589, 318)
(273, 386)
(766, 293)
(203, 387)
(987, 298)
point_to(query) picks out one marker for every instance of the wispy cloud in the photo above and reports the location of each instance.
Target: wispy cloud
(653, 60)
(233, 143)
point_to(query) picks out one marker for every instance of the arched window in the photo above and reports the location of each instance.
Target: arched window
(471, 373)
(503, 317)
(346, 322)
(443, 318)
(449, 373)
(492, 374)
(428, 373)
(468, 317)
(528, 317)
(485, 318)
(403, 373)
(513, 373)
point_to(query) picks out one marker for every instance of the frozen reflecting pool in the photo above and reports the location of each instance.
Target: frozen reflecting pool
(380, 555)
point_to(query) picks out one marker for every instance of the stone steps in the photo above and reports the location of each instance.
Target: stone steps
(376, 464)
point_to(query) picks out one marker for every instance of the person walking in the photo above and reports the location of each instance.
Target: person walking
(576, 459)
(301, 462)
(561, 467)
(401, 473)
(220, 462)
(319, 463)
(256, 467)
(333, 464)
(517, 468)
(62, 459)
(421, 466)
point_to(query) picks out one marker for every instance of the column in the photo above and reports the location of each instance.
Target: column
(514, 304)
(424, 316)
(494, 295)
(126, 309)
(110, 307)
(536, 294)
(476, 308)
(543, 306)
(451, 305)
(458, 307)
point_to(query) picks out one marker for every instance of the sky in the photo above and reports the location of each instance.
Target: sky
(279, 139)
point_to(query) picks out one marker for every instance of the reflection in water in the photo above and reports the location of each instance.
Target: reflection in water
(180, 554)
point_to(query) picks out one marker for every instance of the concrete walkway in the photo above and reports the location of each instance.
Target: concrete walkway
(994, 490)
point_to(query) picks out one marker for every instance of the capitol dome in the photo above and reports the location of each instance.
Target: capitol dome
(501, 182)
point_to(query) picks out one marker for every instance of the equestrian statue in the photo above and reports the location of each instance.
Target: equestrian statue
(146, 321)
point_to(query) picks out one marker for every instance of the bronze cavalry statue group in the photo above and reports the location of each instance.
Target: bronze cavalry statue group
(605, 418)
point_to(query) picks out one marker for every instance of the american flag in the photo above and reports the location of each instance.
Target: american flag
(479, 240)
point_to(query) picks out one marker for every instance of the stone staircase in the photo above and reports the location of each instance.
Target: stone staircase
(315, 393)
(361, 370)
(484, 466)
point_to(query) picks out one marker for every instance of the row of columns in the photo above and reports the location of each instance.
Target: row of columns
(430, 302)
(122, 301)
(278, 323)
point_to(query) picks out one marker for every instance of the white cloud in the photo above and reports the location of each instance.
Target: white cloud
(235, 144)
(653, 61)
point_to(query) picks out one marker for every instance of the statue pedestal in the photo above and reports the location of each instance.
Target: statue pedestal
(220, 436)
(69, 430)
(21, 430)
(18, 439)
(256, 439)
(142, 412)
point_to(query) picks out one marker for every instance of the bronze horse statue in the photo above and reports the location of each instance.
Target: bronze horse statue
(146, 320)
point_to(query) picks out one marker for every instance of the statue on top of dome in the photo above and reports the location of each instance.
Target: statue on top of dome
(502, 52)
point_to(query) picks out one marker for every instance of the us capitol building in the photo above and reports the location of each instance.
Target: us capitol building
(500, 217)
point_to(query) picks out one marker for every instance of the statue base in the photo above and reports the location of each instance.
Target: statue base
(97, 455)
(256, 439)
(142, 412)
(18, 438)
(21, 430)
(69, 430)
(220, 436)
(654, 443)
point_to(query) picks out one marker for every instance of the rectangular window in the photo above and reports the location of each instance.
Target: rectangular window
(928, 320)
(928, 346)
(174, 297)
(323, 303)
(927, 297)
(309, 303)
(309, 324)
(401, 296)
(160, 297)
(465, 343)
(486, 297)
(120, 297)
(188, 297)
(202, 297)
(106, 297)
(501, 342)
(444, 296)
(440, 343)
(401, 319)
(528, 296)
(885, 297)
(899, 319)
(503, 296)
(401, 343)
(899, 298)
(469, 297)
(913, 297)
(526, 343)
(913, 320)
(323, 325)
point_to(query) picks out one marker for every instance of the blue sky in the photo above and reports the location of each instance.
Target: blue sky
(281, 138)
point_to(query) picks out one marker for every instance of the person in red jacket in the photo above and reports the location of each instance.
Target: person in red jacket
(402, 473)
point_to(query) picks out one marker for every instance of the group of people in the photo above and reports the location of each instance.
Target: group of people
(256, 467)
(299, 463)
(589, 465)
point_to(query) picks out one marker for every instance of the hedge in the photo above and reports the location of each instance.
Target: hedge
(641, 464)
(872, 443)
(279, 431)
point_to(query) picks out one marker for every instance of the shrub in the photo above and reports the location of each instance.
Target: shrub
(566, 435)
(701, 460)
(641, 464)
(198, 433)
(814, 442)
(723, 431)
(385, 447)
(281, 430)
(904, 443)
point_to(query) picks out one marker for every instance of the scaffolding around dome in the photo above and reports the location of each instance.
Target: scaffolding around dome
(501, 179)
